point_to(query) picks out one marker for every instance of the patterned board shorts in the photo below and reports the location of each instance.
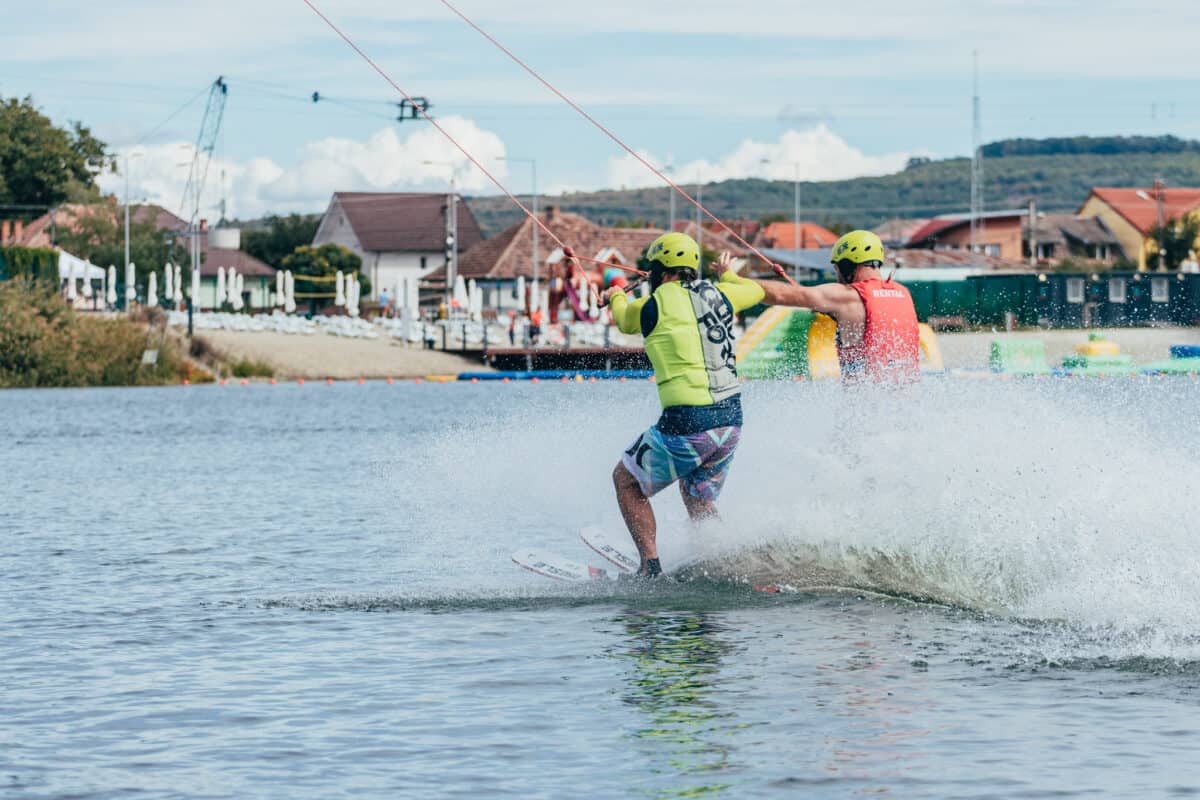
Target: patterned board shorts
(700, 460)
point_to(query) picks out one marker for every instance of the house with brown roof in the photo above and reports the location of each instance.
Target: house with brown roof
(897, 232)
(998, 233)
(496, 263)
(1061, 236)
(398, 235)
(1132, 214)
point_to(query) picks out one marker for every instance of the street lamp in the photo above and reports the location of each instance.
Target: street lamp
(533, 170)
(128, 156)
(669, 169)
(795, 217)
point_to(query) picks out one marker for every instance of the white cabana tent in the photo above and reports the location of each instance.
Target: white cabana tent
(83, 269)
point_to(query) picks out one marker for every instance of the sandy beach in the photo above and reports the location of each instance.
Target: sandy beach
(323, 356)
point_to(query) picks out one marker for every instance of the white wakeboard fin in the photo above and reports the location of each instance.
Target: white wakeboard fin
(557, 568)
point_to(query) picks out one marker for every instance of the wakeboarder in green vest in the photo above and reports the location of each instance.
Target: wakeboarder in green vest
(688, 326)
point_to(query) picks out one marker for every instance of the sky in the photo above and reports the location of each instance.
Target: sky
(711, 90)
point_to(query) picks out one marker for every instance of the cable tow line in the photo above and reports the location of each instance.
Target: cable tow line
(779, 270)
(456, 143)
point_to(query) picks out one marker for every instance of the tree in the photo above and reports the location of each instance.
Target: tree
(281, 237)
(1178, 238)
(98, 235)
(42, 165)
(322, 262)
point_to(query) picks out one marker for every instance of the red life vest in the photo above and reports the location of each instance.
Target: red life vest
(890, 344)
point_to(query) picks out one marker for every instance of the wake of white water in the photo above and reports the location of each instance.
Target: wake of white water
(1048, 500)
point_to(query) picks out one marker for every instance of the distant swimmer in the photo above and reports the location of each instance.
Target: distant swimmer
(688, 326)
(877, 334)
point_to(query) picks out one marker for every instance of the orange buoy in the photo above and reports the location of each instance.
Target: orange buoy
(416, 380)
(223, 381)
(329, 381)
(533, 379)
(186, 382)
(563, 379)
(273, 381)
(361, 381)
(474, 380)
(504, 380)
(390, 381)
(300, 381)
(244, 381)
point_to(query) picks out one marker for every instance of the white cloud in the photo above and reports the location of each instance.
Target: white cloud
(819, 153)
(382, 162)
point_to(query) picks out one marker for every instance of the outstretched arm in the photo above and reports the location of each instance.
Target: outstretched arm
(828, 298)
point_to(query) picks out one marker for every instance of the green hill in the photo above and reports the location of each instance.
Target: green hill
(1058, 173)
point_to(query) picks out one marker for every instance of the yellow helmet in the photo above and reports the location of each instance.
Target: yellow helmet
(675, 251)
(859, 247)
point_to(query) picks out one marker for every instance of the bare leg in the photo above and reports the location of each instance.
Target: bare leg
(699, 510)
(638, 514)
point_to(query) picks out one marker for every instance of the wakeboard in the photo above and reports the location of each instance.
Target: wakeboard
(557, 568)
(617, 554)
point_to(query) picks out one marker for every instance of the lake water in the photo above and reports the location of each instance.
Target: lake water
(305, 592)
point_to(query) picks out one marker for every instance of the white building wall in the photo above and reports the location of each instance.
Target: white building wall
(385, 269)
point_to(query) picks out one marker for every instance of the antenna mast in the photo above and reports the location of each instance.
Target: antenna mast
(976, 163)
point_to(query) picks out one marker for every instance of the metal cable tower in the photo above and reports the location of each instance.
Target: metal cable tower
(206, 142)
(976, 163)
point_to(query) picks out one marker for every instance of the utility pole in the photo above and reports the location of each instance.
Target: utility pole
(1033, 243)
(976, 163)
(127, 213)
(796, 223)
(669, 169)
(699, 224)
(1158, 203)
(537, 258)
(451, 240)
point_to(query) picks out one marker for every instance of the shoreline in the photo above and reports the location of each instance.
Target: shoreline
(322, 356)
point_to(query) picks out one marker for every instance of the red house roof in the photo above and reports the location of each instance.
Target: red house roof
(1139, 207)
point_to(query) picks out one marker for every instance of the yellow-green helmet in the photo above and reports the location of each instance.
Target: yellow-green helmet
(859, 247)
(675, 251)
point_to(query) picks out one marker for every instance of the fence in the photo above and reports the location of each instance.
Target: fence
(1064, 300)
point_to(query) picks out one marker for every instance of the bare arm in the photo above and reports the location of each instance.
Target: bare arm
(828, 298)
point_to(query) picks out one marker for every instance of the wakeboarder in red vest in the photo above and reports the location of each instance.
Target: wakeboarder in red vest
(877, 335)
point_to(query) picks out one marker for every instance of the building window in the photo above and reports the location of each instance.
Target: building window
(1116, 290)
(1101, 252)
(423, 262)
(1045, 251)
(1160, 290)
(991, 250)
(1075, 290)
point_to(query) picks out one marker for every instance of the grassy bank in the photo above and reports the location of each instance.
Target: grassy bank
(43, 343)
